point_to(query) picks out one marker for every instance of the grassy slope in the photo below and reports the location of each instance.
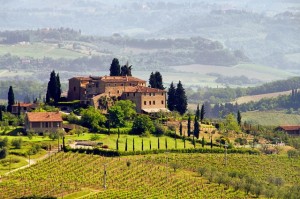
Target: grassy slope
(150, 176)
(255, 98)
(271, 118)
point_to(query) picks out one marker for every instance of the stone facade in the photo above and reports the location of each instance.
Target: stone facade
(104, 88)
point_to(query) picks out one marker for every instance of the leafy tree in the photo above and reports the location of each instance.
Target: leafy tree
(128, 108)
(239, 118)
(126, 70)
(11, 99)
(17, 143)
(115, 68)
(3, 152)
(230, 124)
(172, 97)
(196, 128)
(181, 99)
(3, 142)
(189, 126)
(92, 118)
(116, 116)
(141, 124)
(202, 113)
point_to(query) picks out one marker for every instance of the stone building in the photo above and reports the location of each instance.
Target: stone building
(43, 121)
(100, 91)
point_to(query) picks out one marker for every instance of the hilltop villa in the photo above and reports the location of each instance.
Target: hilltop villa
(100, 91)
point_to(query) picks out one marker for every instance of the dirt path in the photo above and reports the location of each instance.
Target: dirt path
(34, 161)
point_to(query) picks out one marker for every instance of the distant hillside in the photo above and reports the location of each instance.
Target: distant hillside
(255, 98)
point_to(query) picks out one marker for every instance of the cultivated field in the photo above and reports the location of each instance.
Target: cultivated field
(70, 175)
(271, 118)
(255, 98)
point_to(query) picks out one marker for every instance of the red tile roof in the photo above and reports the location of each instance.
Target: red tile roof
(44, 117)
(142, 89)
(290, 128)
(81, 78)
(121, 79)
(23, 104)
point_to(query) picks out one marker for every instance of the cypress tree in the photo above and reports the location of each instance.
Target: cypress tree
(117, 144)
(133, 147)
(1, 115)
(115, 68)
(126, 147)
(239, 118)
(180, 128)
(189, 126)
(203, 142)
(175, 143)
(202, 113)
(211, 143)
(57, 89)
(126, 70)
(142, 144)
(54, 88)
(11, 99)
(152, 82)
(150, 145)
(158, 80)
(184, 145)
(196, 128)
(171, 97)
(197, 114)
(181, 99)
(166, 143)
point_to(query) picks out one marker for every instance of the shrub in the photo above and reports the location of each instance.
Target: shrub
(3, 152)
(94, 137)
(159, 129)
(17, 143)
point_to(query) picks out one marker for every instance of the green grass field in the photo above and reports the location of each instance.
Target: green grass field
(70, 175)
(271, 118)
(39, 50)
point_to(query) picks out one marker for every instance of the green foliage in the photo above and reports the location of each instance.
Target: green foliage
(116, 116)
(94, 137)
(92, 118)
(128, 108)
(155, 80)
(17, 143)
(115, 68)
(230, 124)
(141, 124)
(4, 142)
(172, 97)
(126, 70)
(189, 126)
(202, 113)
(11, 99)
(34, 149)
(239, 118)
(181, 99)
(3, 152)
(54, 88)
(196, 128)
(159, 129)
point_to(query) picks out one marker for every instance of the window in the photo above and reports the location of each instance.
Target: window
(153, 94)
(150, 94)
(115, 84)
(127, 94)
(162, 94)
(118, 91)
(74, 88)
(121, 84)
(149, 102)
(108, 84)
(153, 102)
(162, 101)
(134, 94)
(145, 103)
(145, 94)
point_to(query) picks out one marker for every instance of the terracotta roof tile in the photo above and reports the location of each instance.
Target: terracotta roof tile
(44, 117)
(23, 104)
(82, 78)
(142, 89)
(121, 79)
(290, 128)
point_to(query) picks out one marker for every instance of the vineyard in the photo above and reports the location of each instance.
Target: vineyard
(168, 175)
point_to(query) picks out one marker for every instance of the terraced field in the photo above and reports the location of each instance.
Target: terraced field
(70, 175)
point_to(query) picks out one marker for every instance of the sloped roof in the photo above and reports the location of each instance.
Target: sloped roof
(44, 117)
(121, 79)
(290, 128)
(23, 104)
(142, 89)
(82, 78)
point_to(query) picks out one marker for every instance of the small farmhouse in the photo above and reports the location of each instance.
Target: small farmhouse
(291, 130)
(43, 121)
(22, 108)
(98, 92)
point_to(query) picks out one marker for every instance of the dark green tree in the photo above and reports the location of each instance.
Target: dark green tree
(126, 145)
(181, 99)
(150, 145)
(117, 144)
(180, 128)
(158, 144)
(175, 143)
(203, 142)
(202, 113)
(133, 146)
(196, 128)
(171, 97)
(115, 68)
(141, 124)
(184, 144)
(126, 70)
(11, 99)
(142, 144)
(166, 143)
(54, 88)
(239, 118)
(197, 114)
(116, 116)
(1, 115)
(155, 80)
(189, 126)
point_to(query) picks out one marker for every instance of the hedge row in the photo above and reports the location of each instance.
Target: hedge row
(111, 153)
(115, 130)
